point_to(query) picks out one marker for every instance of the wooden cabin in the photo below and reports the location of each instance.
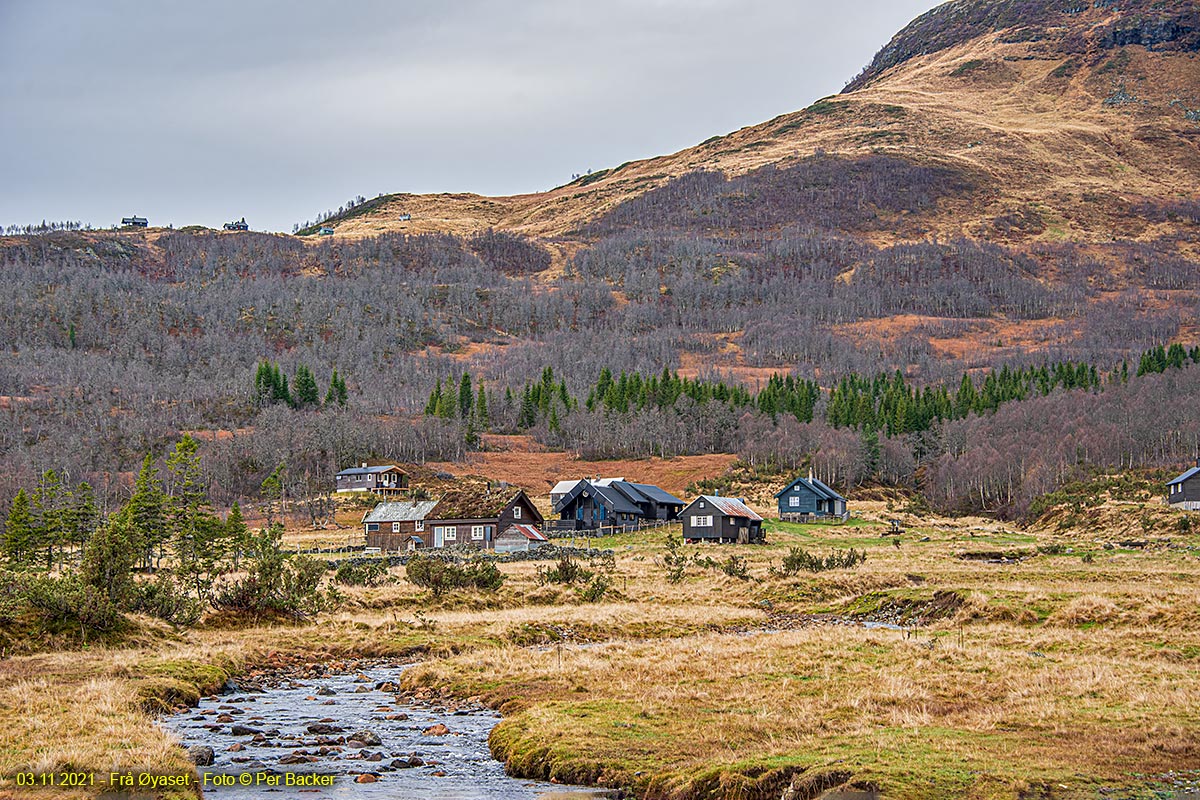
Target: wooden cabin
(1184, 491)
(135, 222)
(721, 520)
(519, 538)
(381, 479)
(611, 502)
(461, 518)
(240, 225)
(806, 499)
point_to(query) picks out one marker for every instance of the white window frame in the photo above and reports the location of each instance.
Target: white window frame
(794, 501)
(420, 524)
(477, 533)
(702, 521)
(516, 512)
(450, 534)
(395, 527)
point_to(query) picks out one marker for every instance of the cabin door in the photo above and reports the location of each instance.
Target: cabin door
(438, 537)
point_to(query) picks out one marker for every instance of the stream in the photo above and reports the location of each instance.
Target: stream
(310, 726)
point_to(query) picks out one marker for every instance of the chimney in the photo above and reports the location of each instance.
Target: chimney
(716, 492)
(810, 474)
(364, 465)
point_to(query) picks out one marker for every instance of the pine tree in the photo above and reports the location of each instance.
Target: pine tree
(237, 533)
(337, 391)
(47, 505)
(305, 390)
(435, 400)
(149, 516)
(466, 396)
(19, 530)
(108, 559)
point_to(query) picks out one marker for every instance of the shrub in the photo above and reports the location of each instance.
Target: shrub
(68, 601)
(565, 571)
(799, 559)
(675, 561)
(736, 567)
(439, 575)
(163, 599)
(362, 573)
(595, 590)
(276, 582)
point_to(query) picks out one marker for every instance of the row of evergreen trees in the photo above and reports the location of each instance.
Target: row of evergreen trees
(884, 403)
(1160, 359)
(271, 387)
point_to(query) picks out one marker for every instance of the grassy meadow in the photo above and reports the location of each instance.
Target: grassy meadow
(1010, 664)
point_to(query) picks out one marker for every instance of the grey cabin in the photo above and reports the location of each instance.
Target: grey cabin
(1184, 491)
(383, 479)
(611, 502)
(135, 222)
(721, 520)
(809, 498)
(240, 225)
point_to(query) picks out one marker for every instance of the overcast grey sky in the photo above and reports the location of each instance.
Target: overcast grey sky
(277, 110)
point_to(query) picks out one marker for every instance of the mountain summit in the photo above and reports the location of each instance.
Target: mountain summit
(1062, 116)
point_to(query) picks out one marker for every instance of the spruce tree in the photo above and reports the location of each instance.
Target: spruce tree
(149, 516)
(466, 396)
(305, 388)
(435, 400)
(19, 530)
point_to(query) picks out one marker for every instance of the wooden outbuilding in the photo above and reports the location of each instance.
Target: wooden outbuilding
(721, 520)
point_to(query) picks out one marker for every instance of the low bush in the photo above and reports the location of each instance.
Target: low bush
(362, 573)
(798, 560)
(439, 575)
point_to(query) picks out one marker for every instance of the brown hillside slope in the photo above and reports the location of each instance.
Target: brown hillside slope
(1072, 113)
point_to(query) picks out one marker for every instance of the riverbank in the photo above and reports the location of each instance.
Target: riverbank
(1060, 674)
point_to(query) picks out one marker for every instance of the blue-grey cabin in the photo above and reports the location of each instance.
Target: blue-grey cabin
(135, 222)
(1184, 491)
(810, 498)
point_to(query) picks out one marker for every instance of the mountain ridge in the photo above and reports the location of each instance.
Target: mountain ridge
(1072, 125)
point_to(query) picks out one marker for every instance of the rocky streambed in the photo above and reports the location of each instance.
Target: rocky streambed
(356, 727)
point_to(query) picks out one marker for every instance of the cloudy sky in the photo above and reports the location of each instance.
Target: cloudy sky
(279, 109)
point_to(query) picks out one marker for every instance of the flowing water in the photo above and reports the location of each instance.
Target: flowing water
(306, 727)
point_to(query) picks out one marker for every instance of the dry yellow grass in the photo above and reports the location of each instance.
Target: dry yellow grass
(1053, 675)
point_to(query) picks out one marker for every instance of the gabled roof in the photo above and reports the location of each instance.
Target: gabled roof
(660, 496)
(562, 487)
(528, 531)
(474, 503)
(614, 500)
(815, 486)
(1187, 476)
(403, 511)
(370, 470)
(729, 506)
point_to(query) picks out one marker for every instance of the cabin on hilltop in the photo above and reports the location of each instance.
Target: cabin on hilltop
(723, 520)
(808, 499)
(135, 222)
(240, 225)
(382, 479)
(460, 518)
(1184, 491)
(325, 231)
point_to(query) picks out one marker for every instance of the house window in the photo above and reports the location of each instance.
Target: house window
(357, 478)
(702, 504)
(451, 533)
(477, 533)
(516, 512)
(395, 527)
(372, 527)
(794, 501)
(420, 524)
(702, 522)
